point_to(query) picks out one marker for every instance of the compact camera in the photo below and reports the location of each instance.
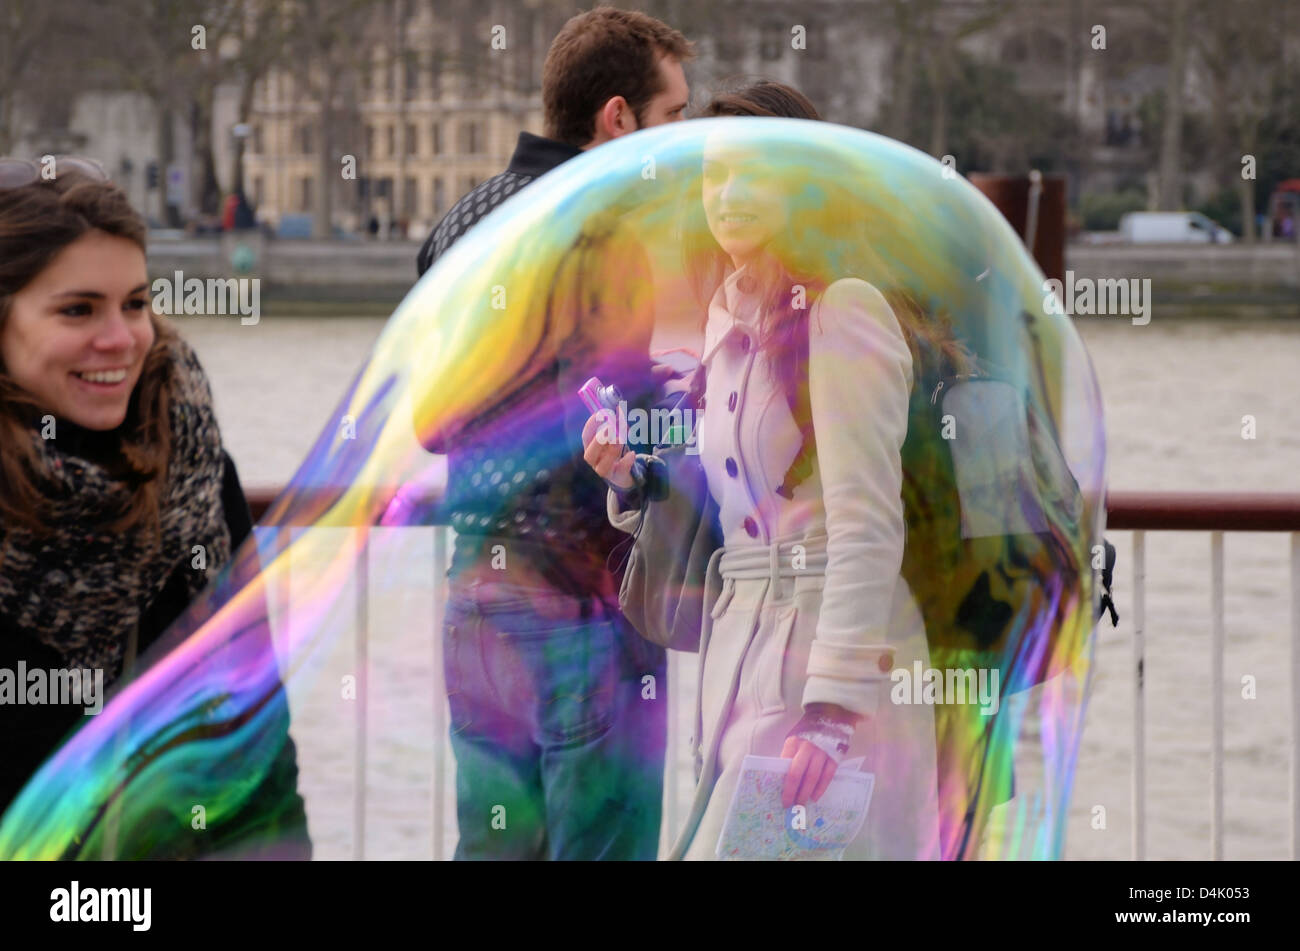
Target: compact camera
(598, 396)
(651, 478)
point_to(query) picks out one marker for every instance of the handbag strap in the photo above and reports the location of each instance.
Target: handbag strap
(801, 466)
(704, 783)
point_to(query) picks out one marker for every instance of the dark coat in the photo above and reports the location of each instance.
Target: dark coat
(596, 320)
(29, 734)
(533, 156)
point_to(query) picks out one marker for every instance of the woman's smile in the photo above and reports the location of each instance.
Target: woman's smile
(102, 380)
(77, 336)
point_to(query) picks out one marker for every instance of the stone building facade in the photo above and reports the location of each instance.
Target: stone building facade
(435, 102)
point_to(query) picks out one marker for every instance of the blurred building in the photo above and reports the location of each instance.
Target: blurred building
(432, 109)
(428, 111)
(427, 96)
(118, 128)
(436, 109)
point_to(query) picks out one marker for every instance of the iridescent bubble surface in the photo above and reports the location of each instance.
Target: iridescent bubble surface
(1000, 533)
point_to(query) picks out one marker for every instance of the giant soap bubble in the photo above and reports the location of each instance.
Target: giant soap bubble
(1003, 484)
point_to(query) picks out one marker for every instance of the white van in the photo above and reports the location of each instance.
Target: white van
(1172, 227)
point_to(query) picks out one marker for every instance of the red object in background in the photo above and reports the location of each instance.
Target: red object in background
(228, 213)
(1011, 196)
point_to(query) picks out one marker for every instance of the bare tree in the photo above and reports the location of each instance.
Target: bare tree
(224, 55)
(27, 28)
(929, 35)
(155, 48)
(261, 30)
(326, 50)
(1169, 195)
(1242, 64)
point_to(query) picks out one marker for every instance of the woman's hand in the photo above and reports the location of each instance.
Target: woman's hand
(813, 768)
(610, 458)
(810, 773)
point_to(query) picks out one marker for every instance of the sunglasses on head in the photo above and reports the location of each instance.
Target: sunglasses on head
(15, 172)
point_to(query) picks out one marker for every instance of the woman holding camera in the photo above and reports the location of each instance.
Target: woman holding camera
(806, 377)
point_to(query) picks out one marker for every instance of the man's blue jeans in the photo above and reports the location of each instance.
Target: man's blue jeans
(559, 740)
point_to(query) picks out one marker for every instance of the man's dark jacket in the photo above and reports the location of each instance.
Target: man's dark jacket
(554, 516)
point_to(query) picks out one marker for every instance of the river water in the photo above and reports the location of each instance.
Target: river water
(1174, 392)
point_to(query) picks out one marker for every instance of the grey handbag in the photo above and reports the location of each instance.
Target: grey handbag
(664, 583)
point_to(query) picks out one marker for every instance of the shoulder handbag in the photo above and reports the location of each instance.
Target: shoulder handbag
(665, 583)
(663, 593)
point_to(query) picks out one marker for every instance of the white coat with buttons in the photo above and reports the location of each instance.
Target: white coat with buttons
(773, 644)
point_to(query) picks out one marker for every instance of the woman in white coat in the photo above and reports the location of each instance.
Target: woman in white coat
(813, 615)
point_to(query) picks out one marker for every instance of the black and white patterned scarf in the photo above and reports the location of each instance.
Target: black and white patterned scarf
(83, 589)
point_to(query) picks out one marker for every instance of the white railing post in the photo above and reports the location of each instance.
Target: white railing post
(1295, 695)
(669, 825)
(363, 695)
(1139, 796)
(282, 595)
(439, 722)
(1216, 696)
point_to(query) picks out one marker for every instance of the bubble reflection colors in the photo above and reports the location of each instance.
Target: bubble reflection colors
(204, 721)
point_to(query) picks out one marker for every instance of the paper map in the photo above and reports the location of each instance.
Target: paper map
(758, 827)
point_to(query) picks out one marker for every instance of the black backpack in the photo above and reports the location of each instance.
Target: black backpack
(992, 514)
(991, 508)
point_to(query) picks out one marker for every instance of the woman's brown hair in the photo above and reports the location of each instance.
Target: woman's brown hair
(763, 98)
(837, 245)
(38, 221)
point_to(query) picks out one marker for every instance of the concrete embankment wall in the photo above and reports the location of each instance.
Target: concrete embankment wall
(1263, 266)
(372, 276)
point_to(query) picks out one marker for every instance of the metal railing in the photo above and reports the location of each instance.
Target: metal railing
(1138, 512)
(1216, 513)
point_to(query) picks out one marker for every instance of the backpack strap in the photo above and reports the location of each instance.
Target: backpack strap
(800, 402)
(801, 406)
(1107, 576)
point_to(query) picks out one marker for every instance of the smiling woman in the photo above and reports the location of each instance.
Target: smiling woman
(77, 335)
(118, 503)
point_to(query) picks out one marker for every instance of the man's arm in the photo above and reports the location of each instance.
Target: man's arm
(429, 251)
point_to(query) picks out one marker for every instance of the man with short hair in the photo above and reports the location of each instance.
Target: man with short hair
(609, 72)
(558, 706)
